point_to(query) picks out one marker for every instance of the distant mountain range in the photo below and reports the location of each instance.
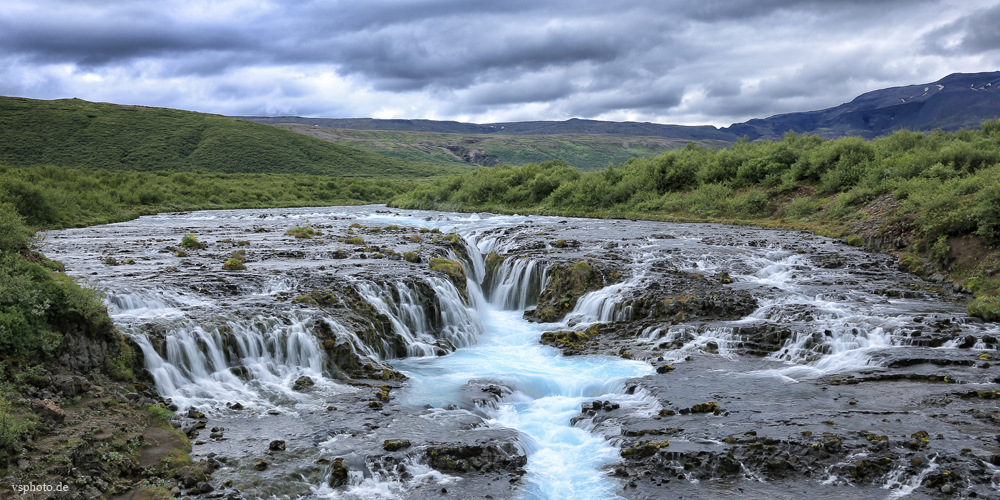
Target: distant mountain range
(568, 127)
(957, 101)
(960, 100)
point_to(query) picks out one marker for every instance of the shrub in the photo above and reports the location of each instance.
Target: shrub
(411, 257)
(752, 202)
(13, 233)
(189, 241)
(235, 262)
(801, 208)
(120, 366)
(159, 413)
(987, 214)
(986, 307)
(11, 430)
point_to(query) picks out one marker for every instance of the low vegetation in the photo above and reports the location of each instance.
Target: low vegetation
(36, 301)
(55, 197)
(301, 232)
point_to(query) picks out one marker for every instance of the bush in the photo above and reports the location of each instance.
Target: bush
(159, 413)
(235, 261)
(189, 241)
(987, 214)
(801, 208)
(12, 429)
(752, 202)
(986, 307)
(120, 367)
(411, 257)
(13, 233)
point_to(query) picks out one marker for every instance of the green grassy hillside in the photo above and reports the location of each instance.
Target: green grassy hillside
(76, 133)
(583, 151)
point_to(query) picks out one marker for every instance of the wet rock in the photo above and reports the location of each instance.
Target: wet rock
(644, 449)
(395, 444)
(276, 445)
(483, 456)
(339, 474)
(567, 283)
(260, 465)
(189, 476)
(303, 383)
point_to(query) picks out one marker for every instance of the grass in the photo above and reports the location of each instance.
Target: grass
(585, 152)
(76, 133)
(55, 197)
(301, 232)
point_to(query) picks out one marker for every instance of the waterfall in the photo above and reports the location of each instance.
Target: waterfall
(517, 284)
(430, 323)
(250, 361)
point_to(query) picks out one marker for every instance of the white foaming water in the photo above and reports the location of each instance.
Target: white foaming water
(253, 362)
(549, 389)
(150, 303)
(406, 309)
(517, 284)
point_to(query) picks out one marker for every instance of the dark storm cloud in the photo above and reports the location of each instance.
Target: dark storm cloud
(112, 37)
(557, 58)
(975, 33)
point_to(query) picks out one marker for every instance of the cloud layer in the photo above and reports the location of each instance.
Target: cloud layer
(673, 61)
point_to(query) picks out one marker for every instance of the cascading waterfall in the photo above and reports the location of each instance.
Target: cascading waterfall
(517, 284)
(564, 461)
(449, 321)
(245, 360)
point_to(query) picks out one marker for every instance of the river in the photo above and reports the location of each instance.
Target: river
(712, 352)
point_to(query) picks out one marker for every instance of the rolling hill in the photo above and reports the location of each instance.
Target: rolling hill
(76, 133)
(583, 151)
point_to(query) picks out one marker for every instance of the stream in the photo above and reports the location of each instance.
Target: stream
(678, 360)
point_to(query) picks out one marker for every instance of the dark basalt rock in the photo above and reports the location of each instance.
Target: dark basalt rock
(483, 456)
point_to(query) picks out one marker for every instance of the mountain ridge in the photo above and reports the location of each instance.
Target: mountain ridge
(959, 100)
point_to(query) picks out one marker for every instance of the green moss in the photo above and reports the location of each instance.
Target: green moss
(302, 232)
(454, 270)
(411, 257)
(189, 241)
(120, 367)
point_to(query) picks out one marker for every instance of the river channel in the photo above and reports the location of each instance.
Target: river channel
(416, 354)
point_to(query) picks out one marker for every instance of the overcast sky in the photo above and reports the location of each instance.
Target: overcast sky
(667, 61)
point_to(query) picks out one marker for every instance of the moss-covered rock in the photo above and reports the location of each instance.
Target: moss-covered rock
(455, 272)
(567, 283)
